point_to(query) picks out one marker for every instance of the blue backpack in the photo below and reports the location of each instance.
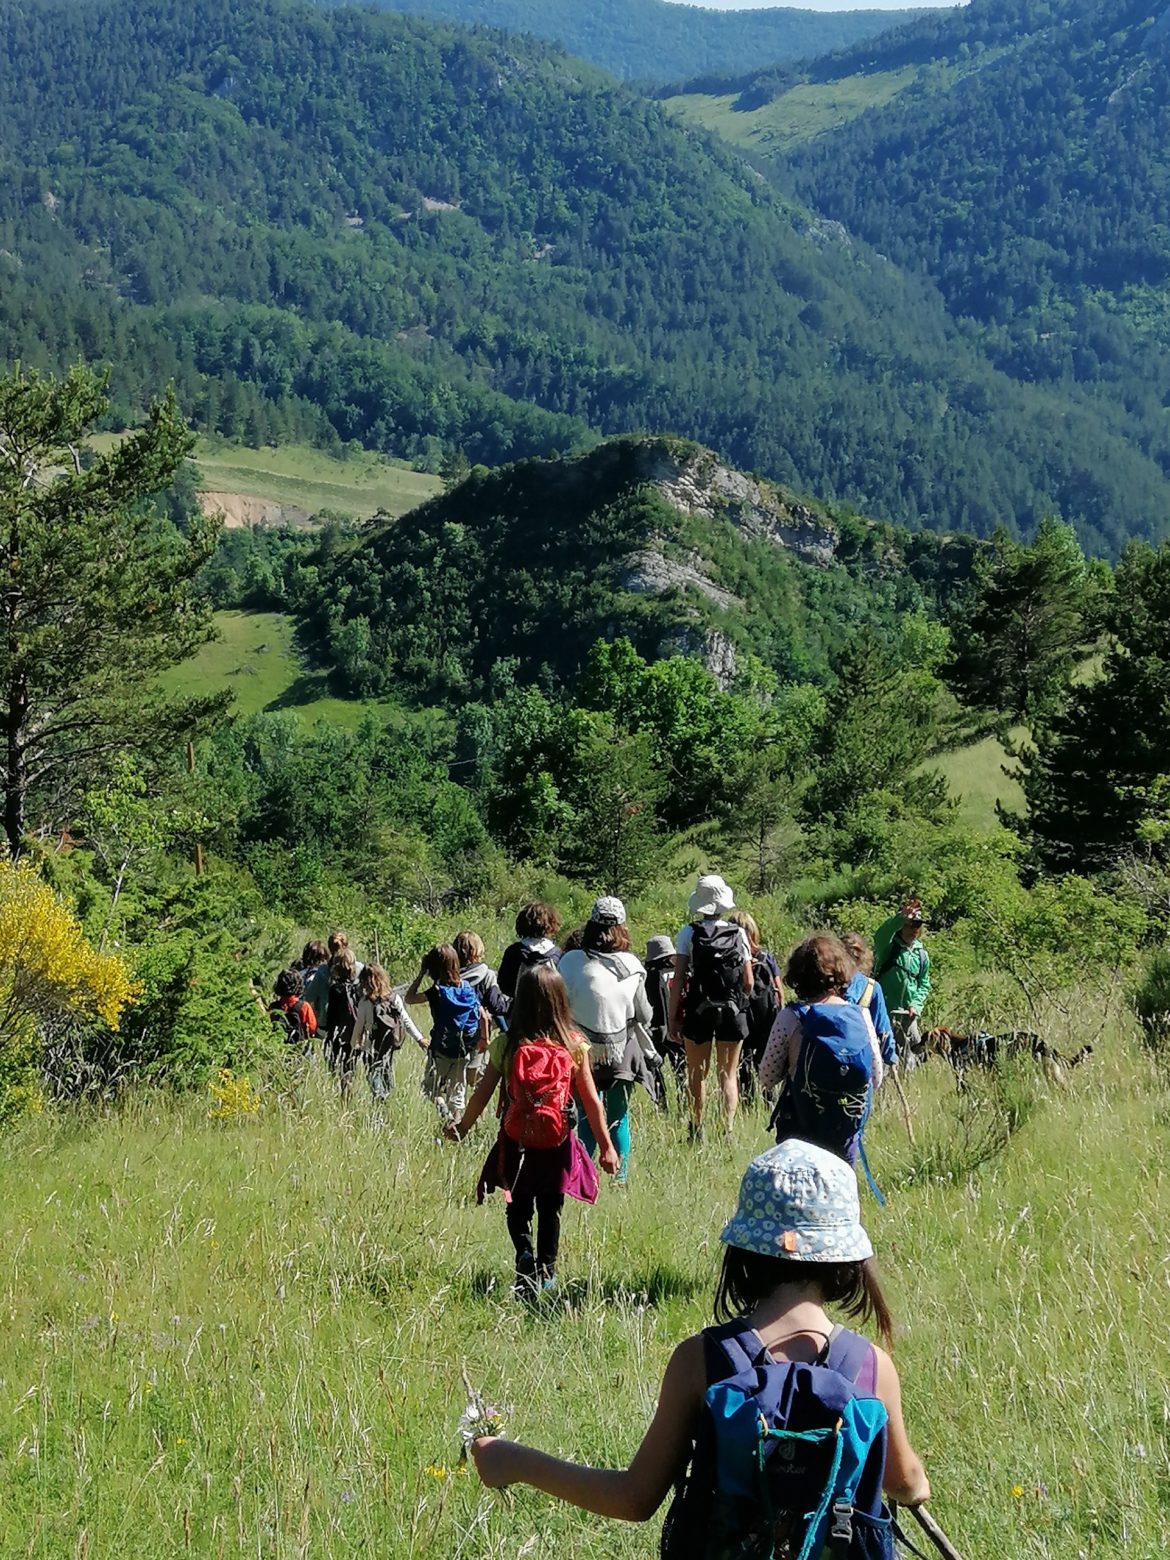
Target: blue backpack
(789, 1459)
(829, 1099)
(455, 1010)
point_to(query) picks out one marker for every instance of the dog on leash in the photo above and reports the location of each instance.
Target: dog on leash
(984, 1050)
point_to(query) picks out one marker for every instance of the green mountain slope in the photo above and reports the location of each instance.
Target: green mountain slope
(653, 539)
(650, 40)
(351, 225)
(1026, 170)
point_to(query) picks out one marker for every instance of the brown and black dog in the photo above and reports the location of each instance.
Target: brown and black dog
(984, 1050)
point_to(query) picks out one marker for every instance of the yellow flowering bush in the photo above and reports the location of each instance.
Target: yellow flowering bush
(46, 964)
(232, 1097)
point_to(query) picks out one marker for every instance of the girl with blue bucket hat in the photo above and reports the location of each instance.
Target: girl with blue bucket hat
(794, 1248)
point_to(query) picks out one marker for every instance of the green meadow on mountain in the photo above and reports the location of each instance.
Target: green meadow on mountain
(1015, 155)
(552, 260)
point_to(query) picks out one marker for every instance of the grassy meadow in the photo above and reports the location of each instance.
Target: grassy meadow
(298, 477)
(800, 114)
(244, 1336)
(254, 656)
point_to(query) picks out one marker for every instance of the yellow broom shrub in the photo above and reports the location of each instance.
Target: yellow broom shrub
(47, 966)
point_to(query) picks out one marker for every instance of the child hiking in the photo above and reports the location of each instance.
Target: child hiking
(709, 996)
(537, 1160)
(778, 1430)
(381, 1029)
(536, 926)
(823, 1052)
(766, 1000)
(864, 990)
(458, 1026)
(344, 997)
(293, 1017)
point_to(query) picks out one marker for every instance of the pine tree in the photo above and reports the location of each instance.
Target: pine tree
(96, 594)
(1024, 623)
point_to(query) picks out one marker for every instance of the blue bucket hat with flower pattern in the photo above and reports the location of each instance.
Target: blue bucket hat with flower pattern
(800, 1202)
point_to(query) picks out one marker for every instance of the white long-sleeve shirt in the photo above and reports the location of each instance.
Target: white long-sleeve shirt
(364, 1023)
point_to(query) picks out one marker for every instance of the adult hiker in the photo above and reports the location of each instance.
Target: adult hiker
(902, 967)
(381, 1029)
(864, 990)
(344, 997)
(776, 1425)
(709, 996)
(314, 967)
(537, 1160)
(536, 925)
(823, 1053)
(766, 1000)
(459, 1027)
(606, 987)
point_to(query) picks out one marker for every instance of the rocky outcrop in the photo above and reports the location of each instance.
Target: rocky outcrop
(698, 484)
(651, 574)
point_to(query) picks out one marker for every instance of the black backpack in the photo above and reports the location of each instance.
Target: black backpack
(342, 1012)
(763, 1006)
(717, 963)
(289, 1023)
(389, 1030)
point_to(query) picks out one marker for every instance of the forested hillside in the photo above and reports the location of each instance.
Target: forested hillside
(652, 540)
(650, 40)
(1015, 153)
(352, 225)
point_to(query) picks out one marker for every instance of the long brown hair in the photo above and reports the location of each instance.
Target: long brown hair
(441, 963)
(540, 1011)
(375, 982)
(747, 1279)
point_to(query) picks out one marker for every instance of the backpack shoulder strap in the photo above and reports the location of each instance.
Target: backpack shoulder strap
(867, 993)
(851, 1355)
(729, 1350)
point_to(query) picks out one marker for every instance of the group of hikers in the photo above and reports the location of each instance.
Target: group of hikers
(565, 1031)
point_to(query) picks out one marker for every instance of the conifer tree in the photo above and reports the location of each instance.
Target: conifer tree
(97, 594)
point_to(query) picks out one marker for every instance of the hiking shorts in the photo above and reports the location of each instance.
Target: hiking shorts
(727, 1025)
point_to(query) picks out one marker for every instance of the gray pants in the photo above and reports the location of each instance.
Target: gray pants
(445, 1078)
(908, 1039)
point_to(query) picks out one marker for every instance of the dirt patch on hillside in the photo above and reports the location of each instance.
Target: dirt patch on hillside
(244, 509)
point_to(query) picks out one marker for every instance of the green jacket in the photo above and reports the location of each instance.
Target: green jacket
(902, 972)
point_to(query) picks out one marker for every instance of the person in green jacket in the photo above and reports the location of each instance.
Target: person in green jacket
(902, 967)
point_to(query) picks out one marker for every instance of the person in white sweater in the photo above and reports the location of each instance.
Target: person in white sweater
(606, 984)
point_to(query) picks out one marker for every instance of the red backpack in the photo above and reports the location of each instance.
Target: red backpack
(539, 1085)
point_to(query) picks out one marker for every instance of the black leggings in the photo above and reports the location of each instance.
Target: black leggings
(547, 1207)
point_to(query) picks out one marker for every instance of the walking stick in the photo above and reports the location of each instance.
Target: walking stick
(936, 1535)
(895, 1073)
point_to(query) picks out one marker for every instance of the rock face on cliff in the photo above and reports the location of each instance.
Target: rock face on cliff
(700, 485)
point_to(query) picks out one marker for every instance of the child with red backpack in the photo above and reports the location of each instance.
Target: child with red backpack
(778, 1429)
(537, 1160)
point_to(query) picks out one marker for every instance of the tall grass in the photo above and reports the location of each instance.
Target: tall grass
(244, 1337)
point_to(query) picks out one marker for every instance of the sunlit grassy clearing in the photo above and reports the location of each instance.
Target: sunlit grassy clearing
(802, 113)
(254, 657)
(246, 1338)
(976, 779)
(295, 474)
(304, 478)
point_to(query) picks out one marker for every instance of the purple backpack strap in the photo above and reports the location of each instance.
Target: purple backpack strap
(855, 1358)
